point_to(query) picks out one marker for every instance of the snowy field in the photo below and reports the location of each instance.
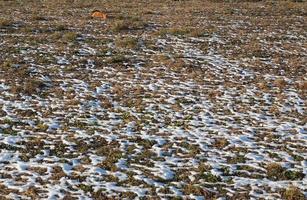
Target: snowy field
(163, 100)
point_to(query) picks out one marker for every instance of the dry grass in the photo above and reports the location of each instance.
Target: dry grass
(277, 172)
(182, 94)
(5, 22)
(221, 143)
(127, 42)
(70, 36)
(293, 193)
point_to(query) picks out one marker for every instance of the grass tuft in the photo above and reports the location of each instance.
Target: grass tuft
(293, 193)
(5, 23)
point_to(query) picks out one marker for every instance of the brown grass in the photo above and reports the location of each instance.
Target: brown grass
(5, 23)
(293, 193)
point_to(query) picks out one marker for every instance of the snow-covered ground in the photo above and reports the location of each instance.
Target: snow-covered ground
(172, 117)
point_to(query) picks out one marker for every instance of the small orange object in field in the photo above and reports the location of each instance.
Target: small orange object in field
(99, 14)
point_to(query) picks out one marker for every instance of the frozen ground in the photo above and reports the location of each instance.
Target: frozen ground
(149, 112)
